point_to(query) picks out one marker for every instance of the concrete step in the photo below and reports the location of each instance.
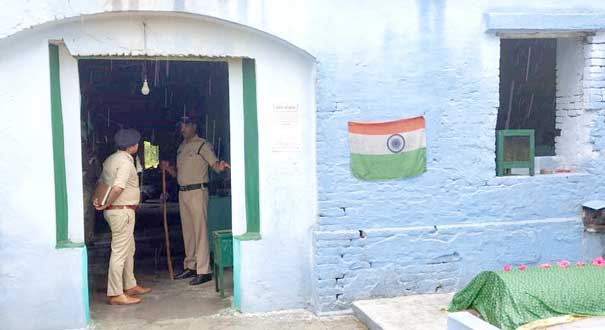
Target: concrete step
(417, 312)
(425, 312)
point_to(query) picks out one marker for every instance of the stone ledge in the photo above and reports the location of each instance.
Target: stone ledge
(510, 180)
(467, 321)
(415, 312)
(385, 232)
(543, 22)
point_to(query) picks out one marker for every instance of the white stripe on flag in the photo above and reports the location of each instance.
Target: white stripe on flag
(377, 144)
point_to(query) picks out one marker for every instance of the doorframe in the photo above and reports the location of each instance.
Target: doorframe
(63, 240)
(251, 157)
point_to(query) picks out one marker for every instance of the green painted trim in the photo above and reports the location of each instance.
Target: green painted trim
(58, 147)
(237, 290)
(248, 237)
(69, 245)
(251, 148)
(85, 297)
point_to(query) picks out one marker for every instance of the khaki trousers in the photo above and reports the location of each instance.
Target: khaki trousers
(121, 262)
(193, 206)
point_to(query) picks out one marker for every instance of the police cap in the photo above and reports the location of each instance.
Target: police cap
(125, 138)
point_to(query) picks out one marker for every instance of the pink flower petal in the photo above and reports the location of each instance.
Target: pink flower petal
(580, 264)
(545, 266)
(507, 268)
(522, 267)
(563, 263)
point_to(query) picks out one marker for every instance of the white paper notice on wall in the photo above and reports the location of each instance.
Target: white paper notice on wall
(287, 135)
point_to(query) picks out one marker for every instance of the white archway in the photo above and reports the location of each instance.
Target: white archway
(276, 269)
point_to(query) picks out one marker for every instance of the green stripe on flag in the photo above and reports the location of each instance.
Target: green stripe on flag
(384, 167)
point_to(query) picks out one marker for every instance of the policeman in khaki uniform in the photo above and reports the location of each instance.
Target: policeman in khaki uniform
(119, 212)
(194, 157)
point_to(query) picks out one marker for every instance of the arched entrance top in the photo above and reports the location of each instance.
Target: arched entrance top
(216, 16)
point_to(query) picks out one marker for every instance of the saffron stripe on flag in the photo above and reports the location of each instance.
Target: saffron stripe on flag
(384, 167)
(386, 128)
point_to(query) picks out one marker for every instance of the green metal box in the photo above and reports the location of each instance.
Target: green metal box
(515, 148)
(223, 257)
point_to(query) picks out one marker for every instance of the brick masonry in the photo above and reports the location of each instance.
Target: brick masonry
(570, 103)
(392, 262)
(594, 89)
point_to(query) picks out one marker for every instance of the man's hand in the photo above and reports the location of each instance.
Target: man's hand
(222, 165)
(98, 206)
(165, 165)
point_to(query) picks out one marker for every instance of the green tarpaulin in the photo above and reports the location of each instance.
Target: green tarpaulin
(511, 299)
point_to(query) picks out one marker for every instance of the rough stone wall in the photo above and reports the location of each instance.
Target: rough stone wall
(594, 90)
(580, 100)
(434, 259)
(574, 137)
(442, 257)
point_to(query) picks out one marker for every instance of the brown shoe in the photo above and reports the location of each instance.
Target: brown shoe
(137, 291)
(123, 300)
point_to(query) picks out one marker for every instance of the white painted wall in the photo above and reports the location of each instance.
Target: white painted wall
(27, 202)
(276, 269)
(70, 99)
(236, 126)
(573, 146)
(35, 278)
(280, 278)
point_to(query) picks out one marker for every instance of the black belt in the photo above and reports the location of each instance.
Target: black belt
(193, 187)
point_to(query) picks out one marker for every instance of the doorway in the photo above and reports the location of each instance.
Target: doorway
(153, 96)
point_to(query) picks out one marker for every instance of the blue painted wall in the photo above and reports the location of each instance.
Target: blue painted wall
(432, 233)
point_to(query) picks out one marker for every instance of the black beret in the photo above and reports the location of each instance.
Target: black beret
(125, 138)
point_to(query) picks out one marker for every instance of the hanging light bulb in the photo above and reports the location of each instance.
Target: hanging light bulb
(145, 88)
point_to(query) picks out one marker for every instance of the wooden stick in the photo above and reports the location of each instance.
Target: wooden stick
(168, 257)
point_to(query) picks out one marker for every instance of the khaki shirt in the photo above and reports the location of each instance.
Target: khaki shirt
(192, 168)
(119, 171)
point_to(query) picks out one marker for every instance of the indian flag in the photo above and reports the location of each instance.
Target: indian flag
(389, 150)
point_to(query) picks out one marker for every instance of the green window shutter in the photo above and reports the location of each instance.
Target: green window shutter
(58, 149)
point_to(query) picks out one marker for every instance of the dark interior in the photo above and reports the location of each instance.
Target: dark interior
(112, 99)
(528, 89)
